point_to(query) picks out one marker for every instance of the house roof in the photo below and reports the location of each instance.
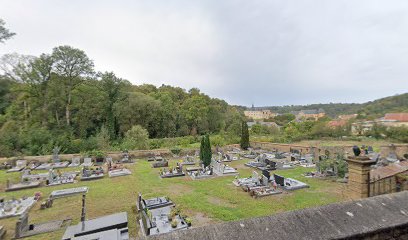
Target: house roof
(345, 220)
(337, 123)
(400, 117)
(389, 170)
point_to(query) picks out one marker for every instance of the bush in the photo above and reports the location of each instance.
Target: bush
(136, 138)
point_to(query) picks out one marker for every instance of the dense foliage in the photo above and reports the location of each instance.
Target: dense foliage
(58, 99)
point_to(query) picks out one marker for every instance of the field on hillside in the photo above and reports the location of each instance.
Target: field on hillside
(205, 201)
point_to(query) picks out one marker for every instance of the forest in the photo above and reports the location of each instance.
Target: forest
(58, 99)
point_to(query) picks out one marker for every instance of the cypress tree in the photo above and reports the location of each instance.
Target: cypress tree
(207, 151)
(244, 136)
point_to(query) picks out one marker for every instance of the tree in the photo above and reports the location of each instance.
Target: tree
(207, 154)
(136, 138)
(244, 136)
(111, 87)
(73, 66)
(5, 34)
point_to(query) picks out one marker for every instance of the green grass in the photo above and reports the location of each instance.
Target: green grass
(205, 201)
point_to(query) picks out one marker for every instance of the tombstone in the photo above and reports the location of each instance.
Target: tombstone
(266, 174)
(76, 161)
(370, 149)
(87, 162)
(279, 179)
(55, 157)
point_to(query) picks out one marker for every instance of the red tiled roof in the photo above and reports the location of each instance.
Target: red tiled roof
(400, 117)
(336, 123)
(388, 171)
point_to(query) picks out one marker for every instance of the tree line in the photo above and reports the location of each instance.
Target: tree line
(59, 99)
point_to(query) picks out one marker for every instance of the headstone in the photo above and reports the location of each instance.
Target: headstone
(55, 157)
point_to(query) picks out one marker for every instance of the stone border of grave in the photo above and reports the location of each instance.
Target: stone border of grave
(24, 229)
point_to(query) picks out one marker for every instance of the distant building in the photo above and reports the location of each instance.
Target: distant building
(347, 117)
(259, 114)
(389, 120)
(269, 124)
(337, 123)
(309, 114)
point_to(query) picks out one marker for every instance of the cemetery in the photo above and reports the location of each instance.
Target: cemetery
(208, 197)
(188, 160)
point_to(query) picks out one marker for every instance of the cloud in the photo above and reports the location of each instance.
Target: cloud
(261, 52)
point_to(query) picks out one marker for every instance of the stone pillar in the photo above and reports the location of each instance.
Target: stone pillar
(359, 176)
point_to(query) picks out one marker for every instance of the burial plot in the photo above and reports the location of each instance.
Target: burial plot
(56, 178)
(68, 192)
(116, 170)
(222, 169)
(24, 229)
(28, 176)
(188, 160)
(87, 162)
(33, 164)
(91, 173)
(76, 162)
(289, 183)
(158, 216)
(202, 172)
(25, 184)
(20, 165)
(15, 207)
(126, 157)
(173, 172)
(161, 163)
(110, 227)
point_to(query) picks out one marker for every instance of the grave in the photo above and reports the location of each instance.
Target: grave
(57, 178)
(28, 176)
(222, 169)
(21, 185)
(87, 162)
(15, 207)
(159, 215)
(161, 163)
(20, 165)
(252, 180)
(33, 164)
(251, 155)
(116, 170)
(126, 157)
(172, 172)
(46, 166)
(68, 192)
(188, 160)
(112, 227)
(91, 173)
(289, 183)
(76, 162)
(24, 229)
(283, 166)
(202, 172)
(262, 163)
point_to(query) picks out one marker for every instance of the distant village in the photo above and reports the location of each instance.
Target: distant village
(262, 117)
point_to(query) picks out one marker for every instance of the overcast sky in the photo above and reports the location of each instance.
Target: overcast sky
(263, 52)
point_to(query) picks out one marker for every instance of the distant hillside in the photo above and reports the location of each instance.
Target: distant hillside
(379, 107)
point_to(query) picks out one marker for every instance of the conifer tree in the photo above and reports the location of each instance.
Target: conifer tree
(207, 154)
(244, 136)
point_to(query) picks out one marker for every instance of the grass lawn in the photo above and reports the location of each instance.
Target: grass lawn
(205, 201)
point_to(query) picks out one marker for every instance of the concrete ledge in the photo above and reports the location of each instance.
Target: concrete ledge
(380, 217)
